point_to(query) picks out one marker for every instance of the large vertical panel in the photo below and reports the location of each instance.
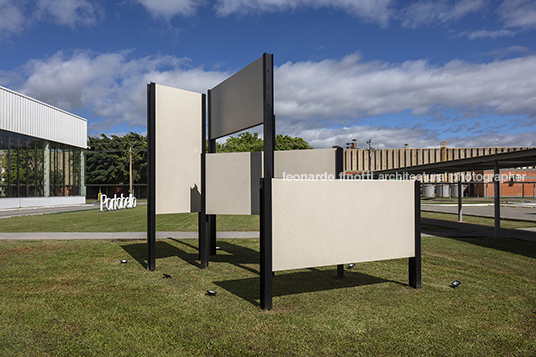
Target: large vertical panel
(237, 103)
(311, 229)
(178, 147)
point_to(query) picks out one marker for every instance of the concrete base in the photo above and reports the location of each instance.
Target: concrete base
(22, 202)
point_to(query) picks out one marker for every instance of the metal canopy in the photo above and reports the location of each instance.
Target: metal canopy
(522, 158)
(506, 160)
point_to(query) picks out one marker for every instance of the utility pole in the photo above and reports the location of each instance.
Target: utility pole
(370, 149)
(130, 171)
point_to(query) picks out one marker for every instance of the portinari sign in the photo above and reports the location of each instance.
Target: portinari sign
(112, 204)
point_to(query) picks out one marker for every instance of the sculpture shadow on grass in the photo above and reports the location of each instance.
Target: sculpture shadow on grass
(163, 249)
(290, 283)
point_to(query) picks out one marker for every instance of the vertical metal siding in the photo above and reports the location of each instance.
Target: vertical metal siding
(24, 115)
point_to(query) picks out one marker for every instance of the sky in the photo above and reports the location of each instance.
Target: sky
(394, 72)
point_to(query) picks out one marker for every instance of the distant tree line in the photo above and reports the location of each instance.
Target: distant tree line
(108, 157)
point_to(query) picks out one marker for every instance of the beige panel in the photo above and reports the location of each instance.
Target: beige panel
(233, 183)
(305, 162)
(178, 150)
(320, 223)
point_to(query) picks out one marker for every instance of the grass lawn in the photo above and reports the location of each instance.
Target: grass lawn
(135, 220)
(75, 298)
(128, 220)
(485, 221)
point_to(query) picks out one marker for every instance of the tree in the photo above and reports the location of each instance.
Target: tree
(247, 141)
(107, 160)
(286, 142)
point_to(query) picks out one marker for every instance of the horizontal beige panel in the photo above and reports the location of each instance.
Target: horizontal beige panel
(233, 183)
(320, 223)
(233, 178)
(178, 150)
(305, 162)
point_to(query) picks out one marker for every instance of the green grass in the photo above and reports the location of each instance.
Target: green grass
(485, 221)
(129, 220)
(135, 220)
(75, 298)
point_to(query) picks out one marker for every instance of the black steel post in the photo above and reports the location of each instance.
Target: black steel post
(211, 218)
(202, 228)
(266, 185)
(340, 271)
(497, 199)
(460, 194)
(151, 176)
(415, 262)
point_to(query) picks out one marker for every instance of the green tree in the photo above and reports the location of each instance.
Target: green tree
(107, 160)
(247, 141)
(286, 142)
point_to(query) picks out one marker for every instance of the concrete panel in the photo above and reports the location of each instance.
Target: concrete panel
(320, 223)
(178, 150)
(237, 103)
(306, 162)
(233, 183)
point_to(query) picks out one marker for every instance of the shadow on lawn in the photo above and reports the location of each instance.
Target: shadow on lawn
(163, 249)
(229, 253)
(509, 245)
(285, 283)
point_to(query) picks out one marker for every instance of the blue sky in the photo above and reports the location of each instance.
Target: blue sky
(396, 72)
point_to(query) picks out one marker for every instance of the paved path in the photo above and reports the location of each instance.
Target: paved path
(526, 212)
(118, 235)
(17, 212)
(458, 229)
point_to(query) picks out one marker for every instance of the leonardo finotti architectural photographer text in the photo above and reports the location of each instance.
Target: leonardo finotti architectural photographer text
(469, 177)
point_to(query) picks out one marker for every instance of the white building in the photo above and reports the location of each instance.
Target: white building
(41, 153)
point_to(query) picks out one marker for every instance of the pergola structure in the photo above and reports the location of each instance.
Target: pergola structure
(522, 158)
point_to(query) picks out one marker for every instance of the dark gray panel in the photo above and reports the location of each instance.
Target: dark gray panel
(237, 103)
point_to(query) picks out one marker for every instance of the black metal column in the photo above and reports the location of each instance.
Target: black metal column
(415, 262)
(202, 226)
(460, 194)
(497, 199)
(340, 271)
(266, 185)
(211, 218)
(151, 176)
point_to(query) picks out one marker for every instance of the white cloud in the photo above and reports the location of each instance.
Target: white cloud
(352, 88)
(11, 17)
(110, 85)
(386, 137)
(170, 8)
(478, 34)
(518, 13)
(376, 11)
(18, 15)
(68, 12)
(428, 12)
(310, 96)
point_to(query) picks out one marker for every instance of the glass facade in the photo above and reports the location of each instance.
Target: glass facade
(32, 167)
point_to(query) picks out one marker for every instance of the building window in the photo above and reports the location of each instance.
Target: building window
(31, 167)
